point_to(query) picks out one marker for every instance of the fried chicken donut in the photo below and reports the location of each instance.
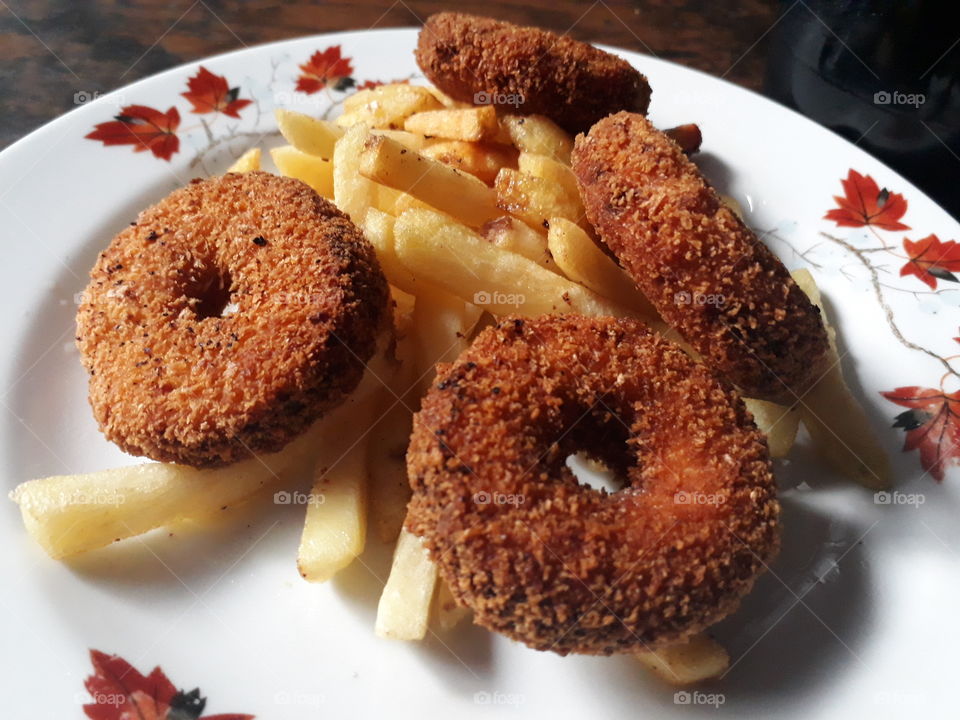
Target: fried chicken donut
(707, 274)
(174, 375)
(562, 566)
(571, 82)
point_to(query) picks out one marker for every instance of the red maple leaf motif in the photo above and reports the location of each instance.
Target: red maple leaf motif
(144, 128)
(932, 260)
(120, 692)
(864, 203)
(211, 93)
(325, 68)
(932, 426)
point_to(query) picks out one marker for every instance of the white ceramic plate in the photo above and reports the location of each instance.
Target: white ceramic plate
(857, 616)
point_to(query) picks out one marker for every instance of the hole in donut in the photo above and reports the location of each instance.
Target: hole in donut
(210, 294)
(593, 473)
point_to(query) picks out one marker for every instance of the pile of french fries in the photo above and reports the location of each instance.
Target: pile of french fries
(473, 214)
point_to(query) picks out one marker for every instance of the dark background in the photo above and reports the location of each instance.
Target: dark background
(52, 49)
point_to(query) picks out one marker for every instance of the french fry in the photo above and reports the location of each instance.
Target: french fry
(578, 256)
(516, 236)
(248, 162)
(335, 529)
(461, 262)
(469, 124)
(72, 514)
(353, 193)
(308, 134)
(386, 457)
(378, 229)
(447, 613)
(535, 200)
(538, 134)
(411, 141)
(404, 608)
(552, 171)
(698, 659)
(483, 160)
(315, 171)
(834, 418)
(445, 100)
(777, 422)
(462, 196)
(386, 106)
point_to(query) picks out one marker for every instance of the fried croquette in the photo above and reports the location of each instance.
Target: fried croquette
(527, 70)
(228, 318)
(567, 567)
(707, 274)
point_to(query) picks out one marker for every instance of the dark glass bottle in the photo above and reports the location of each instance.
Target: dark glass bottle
(883, 73)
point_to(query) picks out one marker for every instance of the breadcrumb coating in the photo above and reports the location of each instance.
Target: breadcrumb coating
(174, 375)
(707, 274)
(562, 566)
(528, 70)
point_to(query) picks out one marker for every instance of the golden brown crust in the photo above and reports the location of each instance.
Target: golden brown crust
(706, 273)
(568, 568)
(175, 386)
(571, 82)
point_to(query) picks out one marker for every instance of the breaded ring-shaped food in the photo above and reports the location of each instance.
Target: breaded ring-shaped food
(531, 71)
(566, 567)
(178, 377)
(707, 274)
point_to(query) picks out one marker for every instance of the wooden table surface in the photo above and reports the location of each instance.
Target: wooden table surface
(50, 50)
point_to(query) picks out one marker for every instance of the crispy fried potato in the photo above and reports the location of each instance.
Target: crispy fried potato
(698, 659)
(469, 124)
(446, 100)
(514, 235)
(315, 171)
(335, 529)
(404, 608)
(482, 160)
(308, 134)
(72, 514)
(248, 162)
(834, 418)
(578, 256)
(353, 193)
(462, 196)
(550, 170)
(386, 106)
(378, 229)
(452, 257)
(777, 422)
(535, 200)
(538, 134)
